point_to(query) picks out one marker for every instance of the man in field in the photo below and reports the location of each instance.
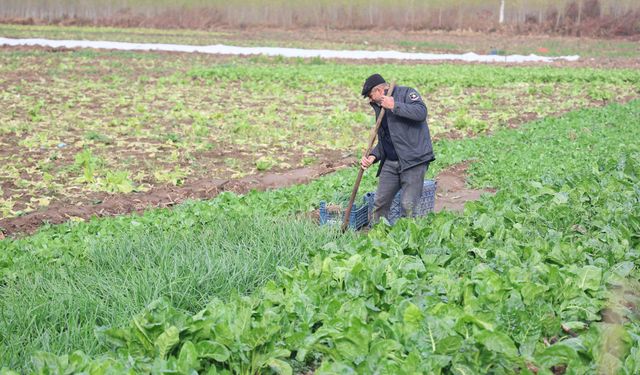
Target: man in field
(404, 147)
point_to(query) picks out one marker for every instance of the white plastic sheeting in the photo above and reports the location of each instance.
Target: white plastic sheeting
(286, 52)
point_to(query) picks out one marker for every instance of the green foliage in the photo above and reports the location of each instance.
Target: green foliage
(100, 138)
(415, 298)
(492, 290)
(463, 121)
(35, 111)
(294, 75)
(117, 182)
(265, 163)
(87, 162)
(112, 181)
(59, 287)
(599, 93)
(175, 177)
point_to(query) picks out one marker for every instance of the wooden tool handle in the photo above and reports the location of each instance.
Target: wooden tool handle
(372, 139)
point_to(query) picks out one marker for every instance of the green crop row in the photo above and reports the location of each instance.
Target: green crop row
(520, 280)
(508, 287)
(305, 75)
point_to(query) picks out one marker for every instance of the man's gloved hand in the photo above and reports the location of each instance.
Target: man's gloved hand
(366, 161)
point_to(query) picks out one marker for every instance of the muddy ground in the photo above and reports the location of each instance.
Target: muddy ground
(452, 191)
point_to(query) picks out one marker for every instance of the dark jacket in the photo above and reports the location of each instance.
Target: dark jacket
(408, 130)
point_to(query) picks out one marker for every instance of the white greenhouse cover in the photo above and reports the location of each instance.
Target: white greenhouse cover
(286, 52)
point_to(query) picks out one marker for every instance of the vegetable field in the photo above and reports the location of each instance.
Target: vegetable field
(539, 278)
(79, 125)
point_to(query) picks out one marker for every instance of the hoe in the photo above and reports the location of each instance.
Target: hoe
(372, 139)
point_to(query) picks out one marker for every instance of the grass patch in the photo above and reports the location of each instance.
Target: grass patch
(107, 277)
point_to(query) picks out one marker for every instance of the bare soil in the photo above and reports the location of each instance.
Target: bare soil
(452, 191)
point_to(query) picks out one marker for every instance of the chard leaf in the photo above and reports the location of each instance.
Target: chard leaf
(589, 278)
(167, 340)
(213, 350)
(280, 366)
(188, 358)
(498, 342)
(413, 317)
(556, 355)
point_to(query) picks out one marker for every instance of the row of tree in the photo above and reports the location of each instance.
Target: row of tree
(606, 17)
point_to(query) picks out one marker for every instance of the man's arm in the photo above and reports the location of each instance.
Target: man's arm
(374, 156)
(413, 107)
(376, 152)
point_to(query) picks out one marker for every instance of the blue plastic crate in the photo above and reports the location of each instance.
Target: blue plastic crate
(359, 215)
(424, 206)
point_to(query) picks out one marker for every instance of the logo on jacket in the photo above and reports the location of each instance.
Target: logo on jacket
(413, 96)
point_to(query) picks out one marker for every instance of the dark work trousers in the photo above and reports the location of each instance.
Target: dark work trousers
(391, 181)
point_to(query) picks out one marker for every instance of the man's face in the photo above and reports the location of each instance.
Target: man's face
(376, 94)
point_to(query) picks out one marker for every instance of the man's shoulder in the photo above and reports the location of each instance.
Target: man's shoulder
(407, 92)
(404, 90)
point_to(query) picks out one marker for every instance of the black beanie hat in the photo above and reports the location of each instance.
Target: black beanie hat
(371, 82)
